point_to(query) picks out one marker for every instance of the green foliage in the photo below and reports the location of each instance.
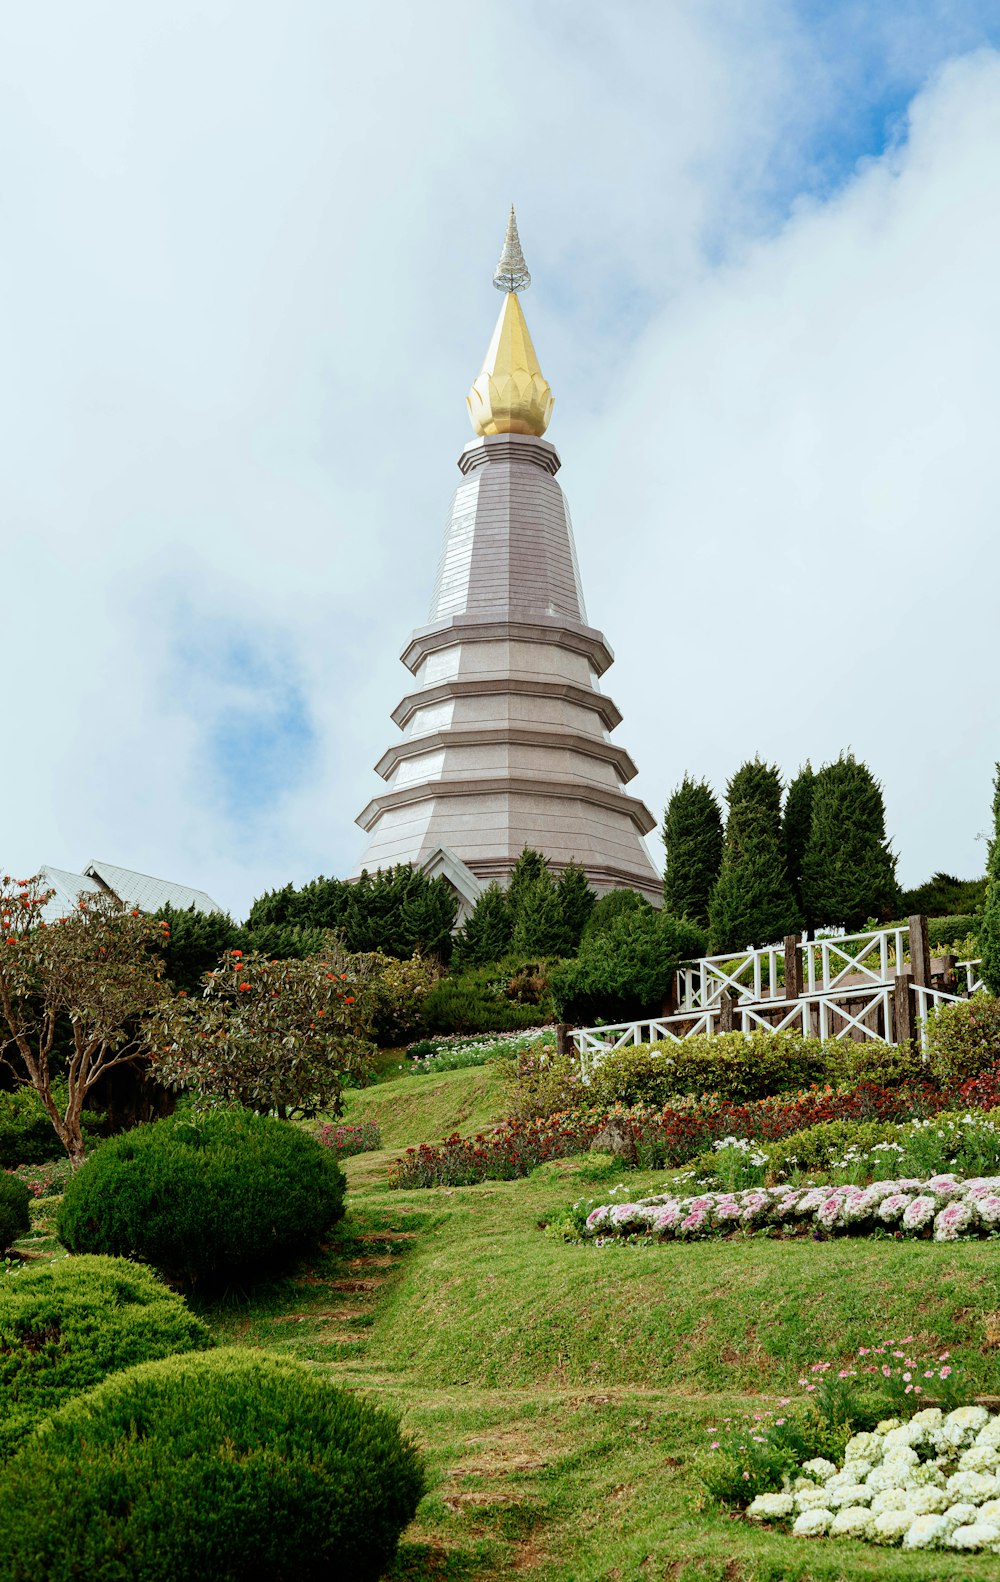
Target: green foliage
(390, 994)
(943, 933)
(796, 823)
(205, 1198)
(194, 943)
(963, 1039)
(26, 1134)
(64, 1326)
(848, 871)
(752, 902)
(486, 934)
(397, 911)
(627, 970)
(943, 895)
(989, 932)
(819, 1148)
(15, 1217)
(488, 1000)
(577, 901)
(232, 1465)
(540, 928)
(284, 941)
(732, 1065)
(692, 835)
(610, 907)
(529, 867)
(322, 903)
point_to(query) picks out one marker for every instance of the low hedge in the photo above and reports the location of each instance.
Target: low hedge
(731, 1065)
(15, 1213)
(233, 1465)
(65, 1325)
(227, 1195)
(500, 998)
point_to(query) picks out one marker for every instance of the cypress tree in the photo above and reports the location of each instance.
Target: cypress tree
(531, 865)
(576, 900)
(427, 917)
(989, 930)
(486, 934)
(752, 902)
(540, 928)
(692, 835)
(795, 826)
(848, 871)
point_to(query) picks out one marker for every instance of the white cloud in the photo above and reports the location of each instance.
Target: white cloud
(245, 279)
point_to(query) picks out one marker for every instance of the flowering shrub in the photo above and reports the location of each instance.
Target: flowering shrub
(345, 1141)
(459, 1051)
(943, 1207)
(676, 1134)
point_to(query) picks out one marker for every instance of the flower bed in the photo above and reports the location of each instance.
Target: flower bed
(345, 1141)
(943, 1208)
(930, 1483)
(680, 1131)
(459, 1051)
(45, 1180)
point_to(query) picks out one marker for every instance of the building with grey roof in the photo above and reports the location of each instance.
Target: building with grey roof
(139, 890)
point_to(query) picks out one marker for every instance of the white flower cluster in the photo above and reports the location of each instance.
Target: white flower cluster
(930, 1483)
(954, 1208)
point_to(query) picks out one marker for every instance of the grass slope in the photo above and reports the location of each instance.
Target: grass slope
(416, 1109)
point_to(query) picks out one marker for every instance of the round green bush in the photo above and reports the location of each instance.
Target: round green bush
(229, 1195)
(15, 1216)
(64, 1326)
(233, 1465)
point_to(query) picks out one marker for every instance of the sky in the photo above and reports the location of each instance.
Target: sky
(245, 283)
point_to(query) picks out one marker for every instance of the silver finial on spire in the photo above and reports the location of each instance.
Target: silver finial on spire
(511, 273)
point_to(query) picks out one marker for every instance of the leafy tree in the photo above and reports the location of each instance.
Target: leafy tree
(848, 871)
(989, 932)
(577, 901)
(193, 943)
(795, 826)
(752, 902)
(692, 835)
(96, 972)
(282, 1036)
(626, 971)
(486, 934)
(540, 928)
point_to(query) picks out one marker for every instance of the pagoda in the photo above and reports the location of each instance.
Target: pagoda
(506, 734)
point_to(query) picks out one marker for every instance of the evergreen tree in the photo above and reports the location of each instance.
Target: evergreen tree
(428, 916)
(195, 943)
(795, 826)
(531, 865)
(848, 871)
(692, 835)
(539, 927)
(752, 902)
(612, 906)
(989, 931)
(577, 901)
(485, 936)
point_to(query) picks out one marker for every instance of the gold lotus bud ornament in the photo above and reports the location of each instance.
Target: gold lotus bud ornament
(511, 395)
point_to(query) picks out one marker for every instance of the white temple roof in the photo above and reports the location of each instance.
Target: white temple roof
(132, 889)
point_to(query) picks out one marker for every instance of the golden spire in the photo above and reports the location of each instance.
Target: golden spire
(511, 395)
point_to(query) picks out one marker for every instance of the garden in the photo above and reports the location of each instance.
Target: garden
(452, 1306)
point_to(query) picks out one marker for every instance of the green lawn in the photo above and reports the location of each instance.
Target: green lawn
(562, 1393)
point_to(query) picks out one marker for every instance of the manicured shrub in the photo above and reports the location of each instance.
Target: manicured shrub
(15, 1216)
(232, 1466)
(817, 1148)
(963, 1039)
(610, 907)
(226, 1195)
(64, 1326)
(479, 1001)
(692, 835)
(730, 1064)
(626, 971)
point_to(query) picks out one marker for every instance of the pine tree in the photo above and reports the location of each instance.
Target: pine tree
(539, 926)
(795, 826)
(848, 871)
(577, 901)
(752, 902)
(989, 930)
(692, 835)
(486, 934)
(531, 865)
(427, 917)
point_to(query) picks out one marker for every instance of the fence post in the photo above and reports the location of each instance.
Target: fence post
(903, 1017)
(562, 1038)
(920, 952)
(726, 1005)
(793, 967)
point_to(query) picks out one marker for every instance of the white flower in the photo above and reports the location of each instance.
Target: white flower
(926, 1532)
(961, 1514)
(890, 1526)
(847, 1494)
(900, 1457)
(890, 1500)
(990, 1511)
(911, 1433)
(975, 1536)
(811, 1499)
(861, 1448)
(960, 1427)
(989, 1434)
(976, 1486)
(840, 1480)
(854, 1521)
(819, 1468)
(886, 1425)
(884, 1477)
(953, 1220)
(979, 1458)
(770, 1507)
(920, 1212)
(988, 1210)
(812, 1523)
(926, 1501)
(930, 1418)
